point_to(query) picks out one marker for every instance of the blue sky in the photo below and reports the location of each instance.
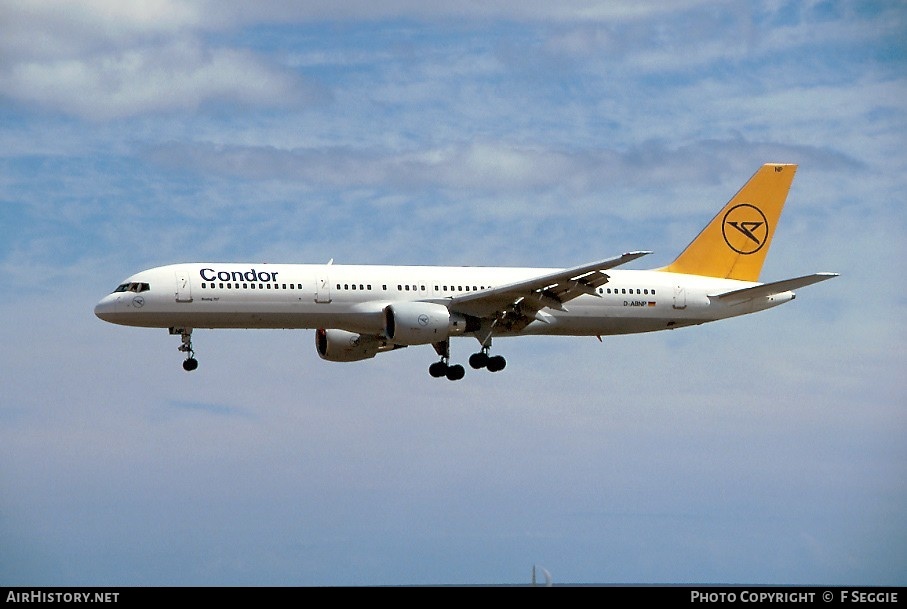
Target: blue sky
(765, 449)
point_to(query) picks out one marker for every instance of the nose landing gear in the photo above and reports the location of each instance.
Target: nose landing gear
(190, 363)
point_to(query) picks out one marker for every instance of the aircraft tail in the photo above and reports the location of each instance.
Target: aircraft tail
(734, 244)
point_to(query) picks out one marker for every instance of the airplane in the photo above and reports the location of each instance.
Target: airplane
(359, 311)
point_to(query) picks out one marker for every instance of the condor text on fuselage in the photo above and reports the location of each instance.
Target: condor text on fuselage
(250, 276)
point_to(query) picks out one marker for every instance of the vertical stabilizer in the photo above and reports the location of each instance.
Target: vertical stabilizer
(734, 244)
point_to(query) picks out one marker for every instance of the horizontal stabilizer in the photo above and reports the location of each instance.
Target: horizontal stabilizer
(770, 289)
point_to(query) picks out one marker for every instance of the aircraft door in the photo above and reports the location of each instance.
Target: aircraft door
(680, 297)
(323, 286)
(183, 287)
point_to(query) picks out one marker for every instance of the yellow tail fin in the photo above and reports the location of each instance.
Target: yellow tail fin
(734, 244)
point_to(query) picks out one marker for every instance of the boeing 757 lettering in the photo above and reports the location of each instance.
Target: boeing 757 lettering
(360, 311)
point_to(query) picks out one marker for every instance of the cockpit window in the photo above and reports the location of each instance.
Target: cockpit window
(134, 286)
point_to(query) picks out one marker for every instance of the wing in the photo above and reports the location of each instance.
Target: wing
(514, 306)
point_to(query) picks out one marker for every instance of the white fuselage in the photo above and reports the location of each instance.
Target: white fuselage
(353, 297)
(358, 311)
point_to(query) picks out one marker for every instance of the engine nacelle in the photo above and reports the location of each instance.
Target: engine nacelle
(423, 323)
(343, 346)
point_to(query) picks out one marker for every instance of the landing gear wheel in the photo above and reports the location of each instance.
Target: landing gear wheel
(443, 368)
(190, 363)
(496, 363)
(455, 372)
(478, 360)
(438, 369)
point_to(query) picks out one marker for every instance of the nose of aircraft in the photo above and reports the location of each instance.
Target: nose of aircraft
(106, 308)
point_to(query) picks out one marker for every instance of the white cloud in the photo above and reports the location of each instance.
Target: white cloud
(105, 60)
(180, 75)
(53, 29)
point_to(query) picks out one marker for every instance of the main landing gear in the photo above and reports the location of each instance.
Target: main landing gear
(493, 363)
(443, 368)
(190, 363)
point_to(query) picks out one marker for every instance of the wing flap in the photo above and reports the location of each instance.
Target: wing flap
(551, 290)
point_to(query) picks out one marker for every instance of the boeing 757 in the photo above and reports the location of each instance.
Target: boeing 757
(359, 311)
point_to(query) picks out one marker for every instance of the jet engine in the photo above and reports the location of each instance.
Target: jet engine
(343, 346)
(423, 323)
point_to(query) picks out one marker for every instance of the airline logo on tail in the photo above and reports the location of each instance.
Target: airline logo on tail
(734, 244)
(745, 229)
